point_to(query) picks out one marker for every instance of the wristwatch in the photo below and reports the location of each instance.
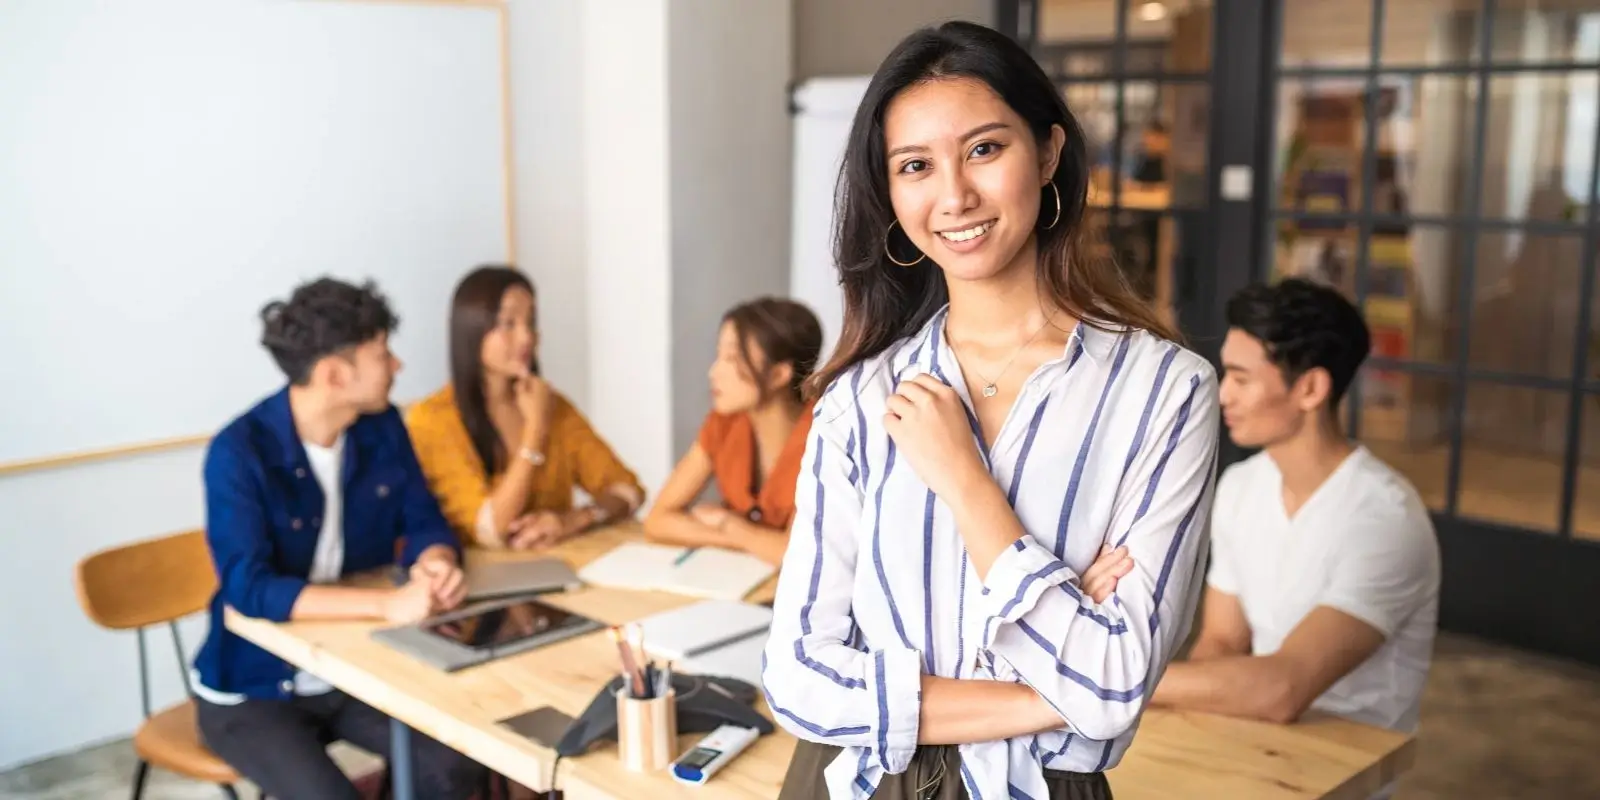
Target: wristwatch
(531, 456)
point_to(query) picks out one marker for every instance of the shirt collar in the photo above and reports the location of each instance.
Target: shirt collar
(1097, 343)
(929, 342)
(278, 421)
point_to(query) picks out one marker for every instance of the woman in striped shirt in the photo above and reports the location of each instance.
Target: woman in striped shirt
(1001, 409)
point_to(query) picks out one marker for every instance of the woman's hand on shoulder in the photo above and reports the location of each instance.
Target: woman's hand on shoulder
(928, 423)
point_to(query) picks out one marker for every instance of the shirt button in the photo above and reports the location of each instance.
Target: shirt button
(299, 472)
(383, 491)
(295, 523)
(286, 686)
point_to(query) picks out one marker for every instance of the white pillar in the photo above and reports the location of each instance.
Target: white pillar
(686, 203)
(627, 222)
(548, 152)
(728, 68)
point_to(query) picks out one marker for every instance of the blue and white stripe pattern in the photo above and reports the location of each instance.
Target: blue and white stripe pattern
(1114, 442)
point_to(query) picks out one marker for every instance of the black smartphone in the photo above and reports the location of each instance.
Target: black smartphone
(543, 725)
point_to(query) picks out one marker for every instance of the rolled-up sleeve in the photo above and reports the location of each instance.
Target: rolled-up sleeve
(236, 533)
(1094, 662)
(820, 685)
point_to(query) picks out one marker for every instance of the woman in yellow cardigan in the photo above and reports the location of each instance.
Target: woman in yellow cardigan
(501, 450)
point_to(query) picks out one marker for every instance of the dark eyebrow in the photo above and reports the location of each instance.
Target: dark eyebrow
(981, 129)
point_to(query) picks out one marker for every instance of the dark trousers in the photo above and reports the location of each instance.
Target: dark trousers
(934, 774)
(281, 746)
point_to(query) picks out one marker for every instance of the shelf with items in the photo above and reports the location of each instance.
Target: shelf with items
(1322, 173)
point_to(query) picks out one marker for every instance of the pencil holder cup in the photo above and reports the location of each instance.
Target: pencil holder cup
(647, 731)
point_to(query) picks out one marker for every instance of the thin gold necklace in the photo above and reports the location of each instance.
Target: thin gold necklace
(989, 386)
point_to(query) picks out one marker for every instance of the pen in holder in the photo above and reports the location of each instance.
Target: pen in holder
(647, 730)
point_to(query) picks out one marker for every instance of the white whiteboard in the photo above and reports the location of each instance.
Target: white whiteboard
(825, 108)
(169, 166)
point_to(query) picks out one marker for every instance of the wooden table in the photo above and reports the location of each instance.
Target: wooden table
(1175, 755)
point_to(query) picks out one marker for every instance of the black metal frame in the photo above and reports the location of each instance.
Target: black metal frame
(1515, 585)
(1470, 225)
(1520, 586)
(1019, 18)
(142, 772)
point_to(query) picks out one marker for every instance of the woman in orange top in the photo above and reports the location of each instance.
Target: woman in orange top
(752, 440)
(501, 450)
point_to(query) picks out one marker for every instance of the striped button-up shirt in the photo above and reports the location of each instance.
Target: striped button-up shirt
(1112, 443)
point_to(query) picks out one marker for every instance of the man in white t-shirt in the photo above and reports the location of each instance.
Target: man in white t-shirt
(1323, 588)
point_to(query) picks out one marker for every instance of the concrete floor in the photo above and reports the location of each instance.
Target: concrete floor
(1496, 723)
(106, 773)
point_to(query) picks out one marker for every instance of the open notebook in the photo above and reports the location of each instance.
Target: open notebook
(712, 637)
(706, 572)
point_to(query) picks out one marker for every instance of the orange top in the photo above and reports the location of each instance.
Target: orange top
(730, 441)
(574, 456)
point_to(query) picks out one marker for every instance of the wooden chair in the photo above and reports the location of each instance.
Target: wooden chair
(144, 584)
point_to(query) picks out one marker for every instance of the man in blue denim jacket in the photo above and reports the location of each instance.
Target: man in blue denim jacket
(316, 482)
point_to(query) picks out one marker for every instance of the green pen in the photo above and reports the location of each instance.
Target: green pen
(684, 556)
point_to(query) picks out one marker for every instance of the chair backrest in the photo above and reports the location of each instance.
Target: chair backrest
(148, 582)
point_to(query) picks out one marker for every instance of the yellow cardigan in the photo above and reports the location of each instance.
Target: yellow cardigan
(575, 456)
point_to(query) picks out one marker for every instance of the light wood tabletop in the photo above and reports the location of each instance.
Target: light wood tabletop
(1175, 755)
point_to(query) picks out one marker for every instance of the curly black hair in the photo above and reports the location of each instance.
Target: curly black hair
(1303, 326)
(321, 318)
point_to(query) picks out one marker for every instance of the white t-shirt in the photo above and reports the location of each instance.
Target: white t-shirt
(327, 463)
(1362, 544)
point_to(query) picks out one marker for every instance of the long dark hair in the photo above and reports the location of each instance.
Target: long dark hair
(884, 302)
(785, 331)
(474, 310)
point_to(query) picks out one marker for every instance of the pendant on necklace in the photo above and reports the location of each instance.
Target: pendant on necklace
(990, 391)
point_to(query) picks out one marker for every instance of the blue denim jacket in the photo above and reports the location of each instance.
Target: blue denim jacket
(264, 514)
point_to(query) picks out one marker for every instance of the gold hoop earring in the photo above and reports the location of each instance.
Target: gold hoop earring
(890, 253)
(1057, 193)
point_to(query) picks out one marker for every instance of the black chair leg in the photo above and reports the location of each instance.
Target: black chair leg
(139, 777)
(227, 790)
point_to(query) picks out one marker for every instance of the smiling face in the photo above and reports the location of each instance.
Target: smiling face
(965, 176)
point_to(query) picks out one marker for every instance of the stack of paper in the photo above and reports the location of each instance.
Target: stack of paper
(715, 637)
(706, 572)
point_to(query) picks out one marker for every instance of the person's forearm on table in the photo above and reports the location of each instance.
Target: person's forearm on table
(1207, 647)
(680, 528)
(340, 602)
(1255, 687)
(762, 541)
